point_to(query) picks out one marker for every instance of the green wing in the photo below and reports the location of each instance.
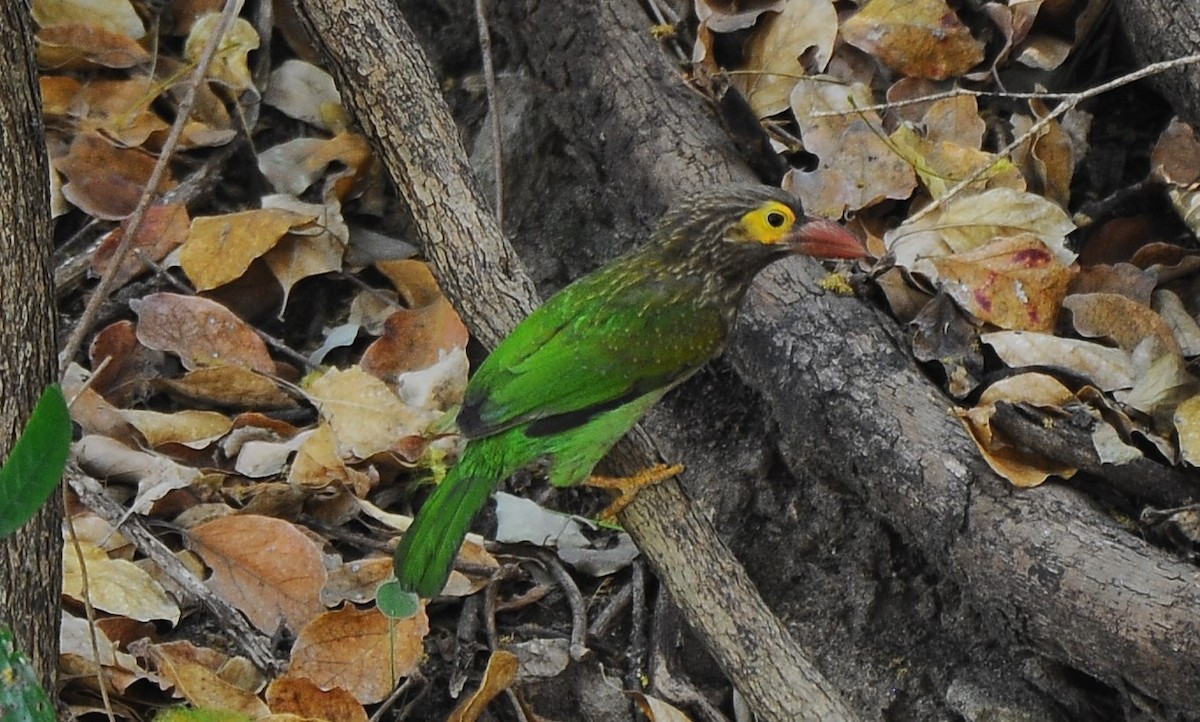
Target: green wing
(593, 346)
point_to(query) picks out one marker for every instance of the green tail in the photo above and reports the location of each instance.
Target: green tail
(427, 550)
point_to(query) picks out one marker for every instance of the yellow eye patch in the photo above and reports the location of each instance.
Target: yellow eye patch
(768, 223)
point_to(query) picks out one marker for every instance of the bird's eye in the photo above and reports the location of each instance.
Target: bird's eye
(776, 219)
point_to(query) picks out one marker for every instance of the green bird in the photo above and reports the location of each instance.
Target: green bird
(578, 373)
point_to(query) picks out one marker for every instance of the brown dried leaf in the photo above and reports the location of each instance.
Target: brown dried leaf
(203, 687)
(857, 165)
(219, 249)
(318, 464)
(128, 367)
(76, 46)
(105, 181)
(265, 567)
(1021, 468)
(298, 696)
(361, 651)
(920, 38)
(194, 429)
(773, 54)
(415, 339)
(723, 16)
(116, 16)
(1014, 283)
(1109, 369)
(232, 387)
(368, 417)
(201, 332)
(1120, 319)
(229, 66)
(155, 475)
(501, 673)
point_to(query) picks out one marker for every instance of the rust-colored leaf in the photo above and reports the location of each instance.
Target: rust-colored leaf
(201, 332)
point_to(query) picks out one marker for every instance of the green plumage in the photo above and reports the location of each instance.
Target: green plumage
(580, 371)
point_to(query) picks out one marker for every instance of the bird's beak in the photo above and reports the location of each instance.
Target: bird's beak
(823, 238)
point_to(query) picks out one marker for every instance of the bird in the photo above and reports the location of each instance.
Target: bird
(579, 372)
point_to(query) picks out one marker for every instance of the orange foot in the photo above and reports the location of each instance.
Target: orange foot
(627, 487)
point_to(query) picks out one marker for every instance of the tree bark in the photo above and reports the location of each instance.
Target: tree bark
(30, 560)
(1162, 30)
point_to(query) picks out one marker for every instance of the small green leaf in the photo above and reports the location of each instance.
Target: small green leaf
(21, 697)
(37, 461)
(395, 601)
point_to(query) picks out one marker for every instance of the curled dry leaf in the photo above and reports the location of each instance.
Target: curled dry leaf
(1019, 467)
(919, 38)
(971, 220)
(155, 475)
(1187, 424)
(306, 92)
(232, 387)
(126, 368)
(192, 428)
(201, 685)
(942, 164)
(773, 55)
(723, 16)
(501, 673)
(229, 66)
(361, 651)
(200, 332)
(1109, 369)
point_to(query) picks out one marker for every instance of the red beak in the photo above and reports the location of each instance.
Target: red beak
(823, 238)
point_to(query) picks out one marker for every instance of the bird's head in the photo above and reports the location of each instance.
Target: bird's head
(744, 227)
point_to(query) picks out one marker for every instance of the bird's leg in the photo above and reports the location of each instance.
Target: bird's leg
(628, 486)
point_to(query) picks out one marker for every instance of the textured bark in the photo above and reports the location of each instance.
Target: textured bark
(30, 560)
(386, 81)
(1046, 563)
(1162, 30)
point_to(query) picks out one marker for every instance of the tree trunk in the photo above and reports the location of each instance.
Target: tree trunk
(30, 560)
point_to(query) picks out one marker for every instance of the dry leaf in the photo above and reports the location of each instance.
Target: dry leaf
(229, 66)
(1019, 467)
(300, 697)
(920, 38)
(265, 567)
(155, 475)
(857, 165)
(1120, 319)
(773, 54)
(1108, 368)
(115, 585)
(163, 229)
(657, 710)
(105, 181)
(194, 429)
(367, 416)
(78, 46)
(202, 687)
(361, 651)
(500, 674)
(117, 16)
(201, 332)
(970, 220)
(1015, 283)
(219, 249)
(231, 387)
(306, 92)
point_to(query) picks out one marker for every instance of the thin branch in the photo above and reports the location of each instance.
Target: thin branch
(493, 96)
